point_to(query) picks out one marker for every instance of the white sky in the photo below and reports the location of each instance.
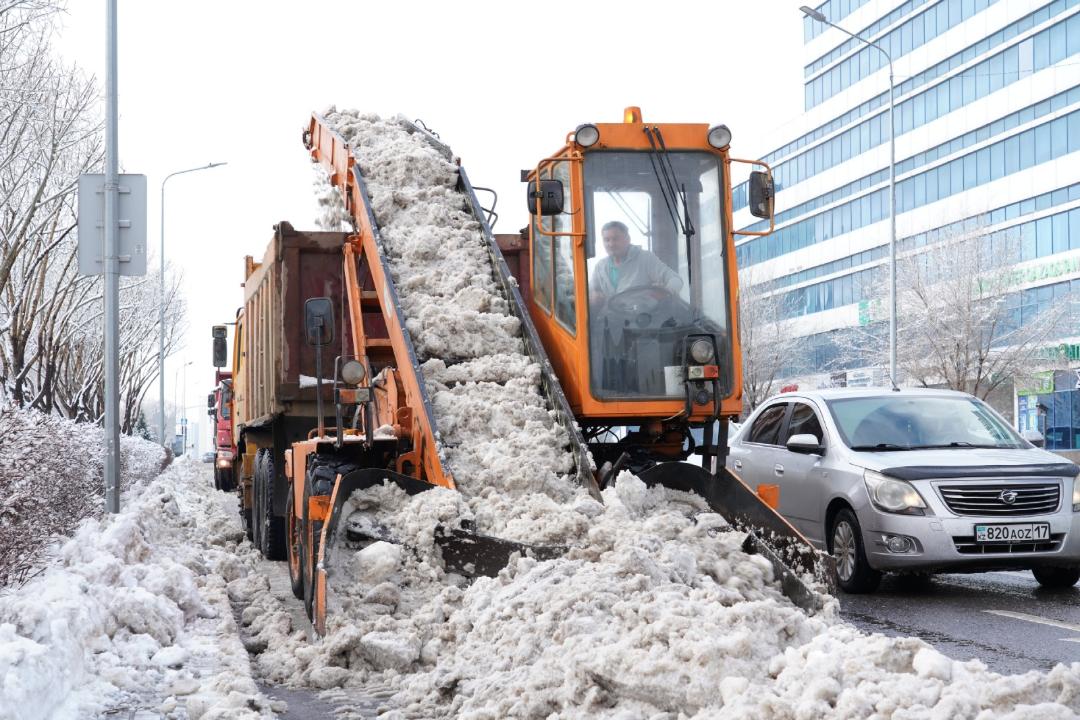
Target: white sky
(502, 82)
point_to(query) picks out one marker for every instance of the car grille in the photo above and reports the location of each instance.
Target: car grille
(966, 545)
(986, 501)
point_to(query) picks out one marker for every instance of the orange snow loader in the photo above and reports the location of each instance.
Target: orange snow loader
(640, 379)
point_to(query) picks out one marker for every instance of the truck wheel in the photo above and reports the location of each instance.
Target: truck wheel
(846, 545)
(258, 485)
(272, 528)
(217, 478)
(227, 483)
(1056, 578)
(295, 549)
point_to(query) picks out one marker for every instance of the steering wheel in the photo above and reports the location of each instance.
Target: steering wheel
(638, 300)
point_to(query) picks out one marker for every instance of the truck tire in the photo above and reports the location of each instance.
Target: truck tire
(258, 485)
(272, 527)
(226, 482)
(294, 534)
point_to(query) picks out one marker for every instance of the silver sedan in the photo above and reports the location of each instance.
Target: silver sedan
(913, 481)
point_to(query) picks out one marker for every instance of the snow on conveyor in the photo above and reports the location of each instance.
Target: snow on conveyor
(498, 436)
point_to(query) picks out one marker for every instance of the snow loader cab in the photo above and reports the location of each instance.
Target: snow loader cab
(632, 283)
(623, 383)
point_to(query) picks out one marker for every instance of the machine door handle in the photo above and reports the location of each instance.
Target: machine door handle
(778, 469)
(737, 463)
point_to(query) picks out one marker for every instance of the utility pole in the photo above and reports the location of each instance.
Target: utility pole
(112, 271)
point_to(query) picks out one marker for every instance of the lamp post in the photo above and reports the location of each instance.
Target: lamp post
(175, 383)
(816, 15)
(161, 300)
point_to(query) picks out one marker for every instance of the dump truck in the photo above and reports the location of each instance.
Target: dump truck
(219, 408)
(631, 373)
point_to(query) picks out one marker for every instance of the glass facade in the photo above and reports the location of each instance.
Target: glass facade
(1020, 54)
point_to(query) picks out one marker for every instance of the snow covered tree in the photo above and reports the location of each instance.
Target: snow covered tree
(50, 316)
(959, 320)
(765, 344)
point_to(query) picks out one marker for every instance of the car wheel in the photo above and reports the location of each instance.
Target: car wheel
(846, 545)
(1056, 577)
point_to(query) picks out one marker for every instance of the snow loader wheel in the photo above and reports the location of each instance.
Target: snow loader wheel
(295, 548)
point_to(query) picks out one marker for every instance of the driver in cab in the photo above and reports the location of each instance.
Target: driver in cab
(629, 267)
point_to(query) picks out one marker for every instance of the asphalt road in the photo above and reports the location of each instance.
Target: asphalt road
(1002, 618)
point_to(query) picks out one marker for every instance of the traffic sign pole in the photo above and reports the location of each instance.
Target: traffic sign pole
(112, 271)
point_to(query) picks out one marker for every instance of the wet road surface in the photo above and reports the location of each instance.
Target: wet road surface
(1004, 619)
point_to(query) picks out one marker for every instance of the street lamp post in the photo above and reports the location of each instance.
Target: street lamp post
(161, 300)
(816, 15)
(175, 383)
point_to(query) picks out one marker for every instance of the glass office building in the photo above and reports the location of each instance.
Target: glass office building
(988, 136)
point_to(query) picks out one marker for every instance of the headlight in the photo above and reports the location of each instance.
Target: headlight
(353, 372)
(892, 495)
(222, 463)
(701, 350)
(719, 136)
(1076, 494)
(586, 135)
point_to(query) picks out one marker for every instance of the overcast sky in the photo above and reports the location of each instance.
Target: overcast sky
(502, 82)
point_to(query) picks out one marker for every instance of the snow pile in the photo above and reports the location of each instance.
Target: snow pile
(134, 614)
(498, 437)
(51, 478)
(659, 614)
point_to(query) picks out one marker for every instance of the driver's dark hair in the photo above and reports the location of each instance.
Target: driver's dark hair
(616, 224)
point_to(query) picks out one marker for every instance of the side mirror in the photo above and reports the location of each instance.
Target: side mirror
(550, 193)
(210, 400)
(761, 194)
(319, 321)
(806, 444)
(221, 350)
(1034, 437)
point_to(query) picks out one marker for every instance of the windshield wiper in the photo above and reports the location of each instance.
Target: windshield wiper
(955, 444)
(880, 447)
(669, 188)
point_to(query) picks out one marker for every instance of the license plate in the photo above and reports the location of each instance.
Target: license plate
(1013, 533)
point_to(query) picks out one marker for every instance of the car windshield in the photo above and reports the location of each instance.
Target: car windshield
(894, 422)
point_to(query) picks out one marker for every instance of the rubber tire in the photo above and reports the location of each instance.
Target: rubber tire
(272, 530)
(227, 484)
(863, 578)
(217, 478)
(1056, 578)
(258, 486)
(294, 534)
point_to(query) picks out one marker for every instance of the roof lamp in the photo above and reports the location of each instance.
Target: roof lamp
(719, 136)
(586, 135)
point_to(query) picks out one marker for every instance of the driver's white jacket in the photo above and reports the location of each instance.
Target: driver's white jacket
(640, 269)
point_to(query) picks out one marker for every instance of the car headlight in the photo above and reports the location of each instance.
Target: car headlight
(1076, 494)
(892, 495)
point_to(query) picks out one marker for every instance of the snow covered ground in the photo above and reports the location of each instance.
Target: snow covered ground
(133, 614)
(660, 615)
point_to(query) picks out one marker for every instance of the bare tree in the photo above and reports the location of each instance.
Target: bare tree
(765, 343)
(50, 316)
(959, 321)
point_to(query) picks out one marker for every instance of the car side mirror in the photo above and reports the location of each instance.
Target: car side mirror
(319, 321)
(806, 444)
(1034, 437)
(550, 195)
(761, 194)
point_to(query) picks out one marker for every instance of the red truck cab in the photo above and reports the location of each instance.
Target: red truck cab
(224, 448)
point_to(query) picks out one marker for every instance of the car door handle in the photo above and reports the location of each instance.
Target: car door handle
(738, 464)
(778, 469)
